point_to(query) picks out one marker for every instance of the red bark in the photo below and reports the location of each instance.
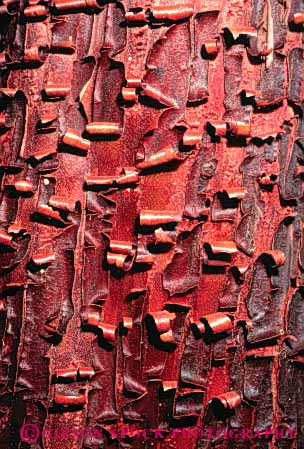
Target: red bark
(151, 224)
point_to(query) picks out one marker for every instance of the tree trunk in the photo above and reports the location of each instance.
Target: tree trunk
(151, 224)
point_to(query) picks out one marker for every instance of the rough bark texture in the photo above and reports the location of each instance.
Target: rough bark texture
(151, 223)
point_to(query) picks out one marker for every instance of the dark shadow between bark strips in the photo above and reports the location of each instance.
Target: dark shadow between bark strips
(235, 141)
(162, 168)
(267, 187)
(186, 421)
(54, 339)
(46, 129)
(210, 337)
(62, 50)
(246, 101)
(159, 248)
(31, 64)
(133, 24)
(185, 150)
(197, 334)
(104, 344)
(84, 10)
(242, 39)
(211, 131)
(60, 409)
(216, 363)
(26, 20)
(4, 130)
(288, 202)
(175, 307)
(10, 290)
(198, 102)
(208, 56)
(122, 331)
(61, 380)
(13, 193)
(274, 104)
(140, 267)
(110, 188)
(5, 20)
(117, 273)
(156, 23)
(219, 411)
(295, 27)
(11, 169)
(221, 257)
(101, 137)
(121, 102)
(211, 269)
(17, 419)
(261, 344)
(63, 148)
(226, 202)
(151, 103)
(40, 218)
(33, 268)
(255, 59)
(51, 158)
(6, 249)
(260, 141)
(50, 99)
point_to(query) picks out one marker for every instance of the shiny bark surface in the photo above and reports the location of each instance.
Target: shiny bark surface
(151, 230)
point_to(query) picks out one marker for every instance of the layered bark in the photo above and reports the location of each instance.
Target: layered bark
(151, 224)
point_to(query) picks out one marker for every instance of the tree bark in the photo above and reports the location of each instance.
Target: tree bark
(151, 224)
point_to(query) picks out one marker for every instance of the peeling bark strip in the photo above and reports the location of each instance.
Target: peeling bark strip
(151, 224)
(187, 254)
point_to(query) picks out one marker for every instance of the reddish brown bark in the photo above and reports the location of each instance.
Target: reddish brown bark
(151, 224)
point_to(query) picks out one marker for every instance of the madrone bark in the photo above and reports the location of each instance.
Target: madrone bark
(151, 224)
